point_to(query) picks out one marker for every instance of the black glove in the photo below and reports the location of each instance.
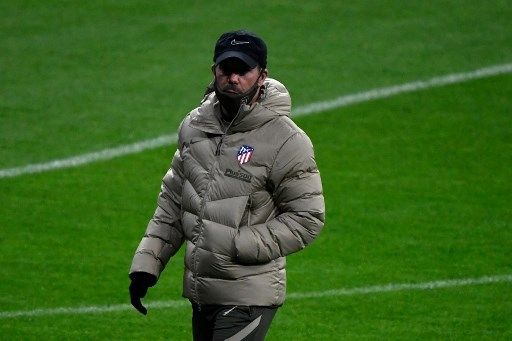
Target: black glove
(141, 281)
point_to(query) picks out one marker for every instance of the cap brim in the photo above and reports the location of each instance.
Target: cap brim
(236, 54)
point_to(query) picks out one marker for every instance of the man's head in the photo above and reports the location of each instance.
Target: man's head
(240, 60)
(243, 45)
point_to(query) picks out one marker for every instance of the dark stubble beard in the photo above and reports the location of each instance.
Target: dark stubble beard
(232, 102)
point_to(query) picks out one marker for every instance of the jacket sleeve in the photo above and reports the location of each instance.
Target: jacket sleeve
(163, 236)
(300, 203)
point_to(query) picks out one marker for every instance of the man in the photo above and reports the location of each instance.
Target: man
(243, 191)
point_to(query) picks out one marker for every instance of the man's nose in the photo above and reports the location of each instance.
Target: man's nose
(234, 78)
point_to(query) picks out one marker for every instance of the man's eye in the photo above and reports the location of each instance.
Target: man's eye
(239, 70)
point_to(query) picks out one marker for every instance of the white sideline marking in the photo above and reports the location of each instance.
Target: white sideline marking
(84, 159)
(369, 95)
(292, 296)
(309, 109)
(404, 287)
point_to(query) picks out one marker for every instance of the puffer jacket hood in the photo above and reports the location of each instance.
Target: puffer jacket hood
(242, 197)
(274, 101)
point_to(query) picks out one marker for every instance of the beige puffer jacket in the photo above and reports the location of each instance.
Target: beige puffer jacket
(243, 199)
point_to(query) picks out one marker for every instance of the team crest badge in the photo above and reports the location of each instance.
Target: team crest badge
(244, 154)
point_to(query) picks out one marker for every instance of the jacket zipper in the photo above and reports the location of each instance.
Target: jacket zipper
(203, 201)
(249, 210)
(203, 204)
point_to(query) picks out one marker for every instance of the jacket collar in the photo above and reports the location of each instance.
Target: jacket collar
(275, 101)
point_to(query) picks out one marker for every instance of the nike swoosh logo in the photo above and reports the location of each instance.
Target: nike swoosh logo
(230, 310)
(238, 42)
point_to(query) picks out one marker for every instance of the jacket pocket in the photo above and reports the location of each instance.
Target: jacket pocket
(228, 212)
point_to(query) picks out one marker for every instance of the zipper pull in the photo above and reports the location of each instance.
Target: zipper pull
(217, 152)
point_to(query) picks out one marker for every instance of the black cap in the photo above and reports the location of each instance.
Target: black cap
(242, 45)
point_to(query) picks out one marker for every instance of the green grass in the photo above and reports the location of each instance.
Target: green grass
(418, 186)
(100, 74)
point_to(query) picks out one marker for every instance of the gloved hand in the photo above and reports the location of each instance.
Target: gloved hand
(141, 281)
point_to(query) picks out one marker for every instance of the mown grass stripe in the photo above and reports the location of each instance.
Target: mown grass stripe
(392, 287)
(309, 109)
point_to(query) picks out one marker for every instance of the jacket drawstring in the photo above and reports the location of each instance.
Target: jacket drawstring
(243, 102)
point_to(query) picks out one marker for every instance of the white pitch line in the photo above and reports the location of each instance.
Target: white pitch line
(309, 109)
(404, 287)
(102, 155)
(392, 287)
(378, 93)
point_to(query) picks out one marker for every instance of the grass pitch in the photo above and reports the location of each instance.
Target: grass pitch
(418, 186)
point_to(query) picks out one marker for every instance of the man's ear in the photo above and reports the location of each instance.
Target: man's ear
(213, 69)
(263, 76)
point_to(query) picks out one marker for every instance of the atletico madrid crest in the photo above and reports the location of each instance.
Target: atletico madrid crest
(244, 154)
